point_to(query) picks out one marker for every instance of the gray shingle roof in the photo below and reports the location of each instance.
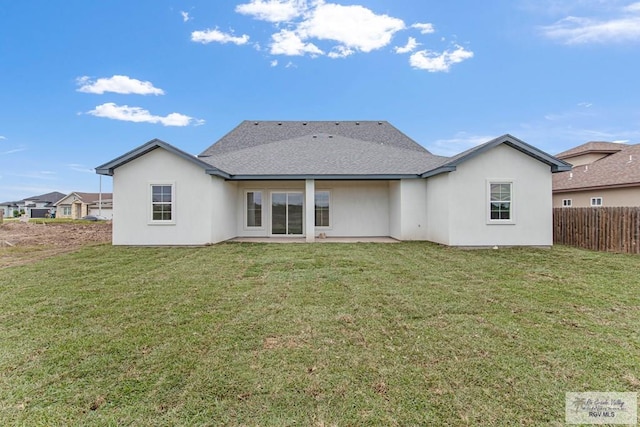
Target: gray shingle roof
(324, 154)
(324, 150)
(251, 133)
(50, 198)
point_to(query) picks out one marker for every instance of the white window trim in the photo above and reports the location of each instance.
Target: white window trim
(512, 219)
(596, 205)
(330, 226)
(246, 227)
(150, 220)
(567, 203)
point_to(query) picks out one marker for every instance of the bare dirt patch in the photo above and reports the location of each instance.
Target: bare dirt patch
(22, 243)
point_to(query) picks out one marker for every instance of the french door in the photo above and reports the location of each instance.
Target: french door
(287, 213)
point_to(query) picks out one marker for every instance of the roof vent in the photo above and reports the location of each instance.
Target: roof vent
(315, 136)
(337, 123)
(304, 123)
(630, 158)
(357, 123)
(279, 123)
(379, 123)
(570, 175)
(255, 123)
(330, 136)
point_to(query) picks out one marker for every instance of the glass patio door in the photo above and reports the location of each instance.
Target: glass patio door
(287, 213)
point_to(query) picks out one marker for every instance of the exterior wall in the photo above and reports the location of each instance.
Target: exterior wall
(412, 209)
(531, 200)
(585, 159)
(357, 208)
(628, 196)
(438, 206)
(224, 218)
(132, 201)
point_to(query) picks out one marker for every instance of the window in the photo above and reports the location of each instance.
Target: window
(596, 201)
(254, 208)
(322, 208)
(566, 203)
(162, 209)
(66, 210)
(500, 208)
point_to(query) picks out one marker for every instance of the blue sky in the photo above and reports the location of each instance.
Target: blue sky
(82, 82)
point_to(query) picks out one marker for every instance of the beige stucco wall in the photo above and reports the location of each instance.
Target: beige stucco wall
(629, 196)
(193, 201)
(468, 211)
(357, 208)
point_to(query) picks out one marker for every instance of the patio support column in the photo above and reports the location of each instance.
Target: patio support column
(309, 208)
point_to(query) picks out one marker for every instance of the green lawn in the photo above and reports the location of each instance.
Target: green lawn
(314, 335)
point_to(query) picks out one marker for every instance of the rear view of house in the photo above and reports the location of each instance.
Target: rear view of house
(341, 179)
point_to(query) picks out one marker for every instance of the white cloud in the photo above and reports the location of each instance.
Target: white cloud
(80, 168)
(2, 137)
(354, 27)
(411, 45)
(340, 52)
(15, 150)
(439, 62)
(215, 35)
(460, 142)
(425, 28)
(321, 28)
(140, 115)
(274, 63)
(585, 104)
(273, 10)
(117, 84)
(185, 16)
(289, 43)
(572, 30)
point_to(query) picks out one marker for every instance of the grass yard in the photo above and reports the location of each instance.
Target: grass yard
(314, 335)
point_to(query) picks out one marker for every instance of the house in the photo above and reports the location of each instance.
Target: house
(33, 207)
(76, 205)
(603, 174)
(341, 179)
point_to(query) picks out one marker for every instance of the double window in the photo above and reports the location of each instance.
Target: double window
(596, 201)
(566, 203)
(501, 202)
(254, 207)
(162, 203)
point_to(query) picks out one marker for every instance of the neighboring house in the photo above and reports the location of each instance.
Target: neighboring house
(34, 207)
(76, 205)
(342, 179)
(603, 174)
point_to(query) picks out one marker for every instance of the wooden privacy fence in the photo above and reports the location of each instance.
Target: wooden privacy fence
(600, 229)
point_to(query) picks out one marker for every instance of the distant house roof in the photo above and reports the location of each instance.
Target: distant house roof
(620, 169)
(324, 150)
(49, 198)
(592, 147)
